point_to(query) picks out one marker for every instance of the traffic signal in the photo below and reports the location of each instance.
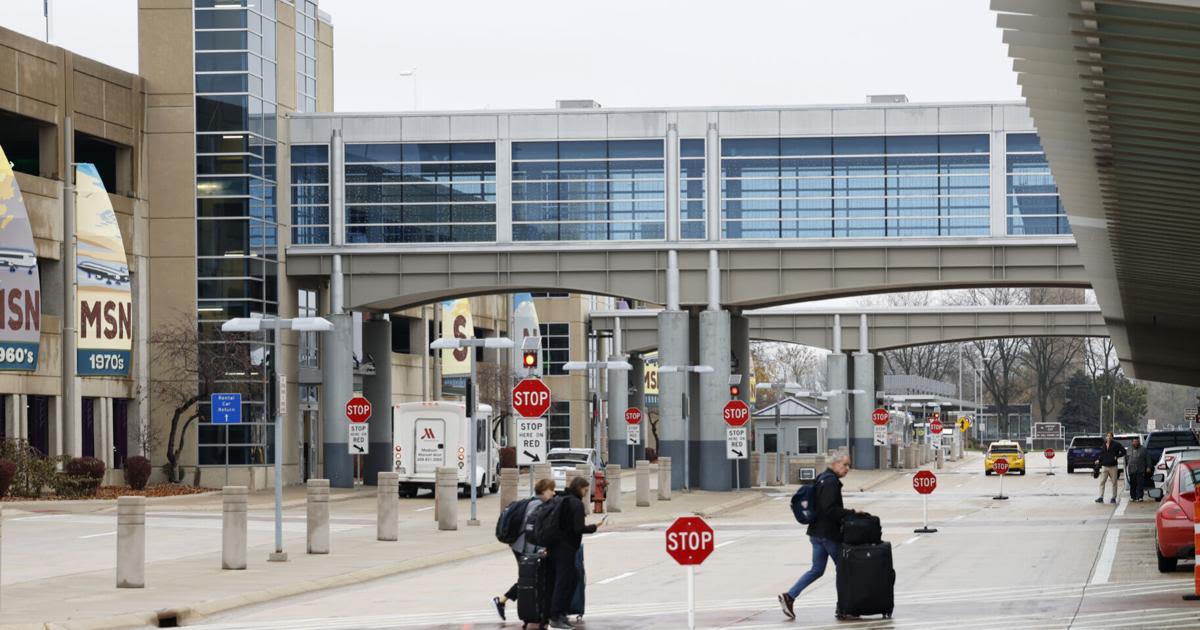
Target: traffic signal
(734, 390)
(529, 359)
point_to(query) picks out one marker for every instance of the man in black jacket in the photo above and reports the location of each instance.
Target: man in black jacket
(561, 562)
(1107, 463)
(825, 532)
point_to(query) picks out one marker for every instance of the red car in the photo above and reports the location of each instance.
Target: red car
(1174, 533)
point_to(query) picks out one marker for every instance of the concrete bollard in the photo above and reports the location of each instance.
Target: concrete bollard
(318, 516)
(642, 481)
(447, 498)
(131, 542)
(612, 494)
(542, 471)
(387, 507)
(509, 479)
(585, 471)
(664, 478)
(939, 457)
(233, 527)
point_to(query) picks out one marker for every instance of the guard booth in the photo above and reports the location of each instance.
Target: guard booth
(790, 429)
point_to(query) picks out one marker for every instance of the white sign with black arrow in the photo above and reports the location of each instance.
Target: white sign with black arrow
(736, 439)
(531, 441)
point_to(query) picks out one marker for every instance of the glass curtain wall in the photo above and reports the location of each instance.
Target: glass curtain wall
(310, 194)
(871, 186)
(1034, 206)
(306, 56)
(236, 223)
(691, 189)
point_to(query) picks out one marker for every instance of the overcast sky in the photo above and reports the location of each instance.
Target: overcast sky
(471, 54)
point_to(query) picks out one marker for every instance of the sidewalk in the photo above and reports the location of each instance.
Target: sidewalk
(191, 585)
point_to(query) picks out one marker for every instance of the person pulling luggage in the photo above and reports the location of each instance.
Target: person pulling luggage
(825, 531)
(543, 492)
(564, 545)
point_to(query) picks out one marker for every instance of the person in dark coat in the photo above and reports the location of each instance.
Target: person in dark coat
(561, 561)
(1107, 465)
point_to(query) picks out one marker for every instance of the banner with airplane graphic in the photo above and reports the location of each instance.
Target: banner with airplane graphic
(20, 284)
(105, 305)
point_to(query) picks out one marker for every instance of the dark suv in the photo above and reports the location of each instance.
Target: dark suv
(1084, 451)
(1158, 440)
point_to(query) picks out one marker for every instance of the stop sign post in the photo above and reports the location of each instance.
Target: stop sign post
(925, 482)
(690, 541)
(880, 417)
(633, 434)
(736, 414)
(531, 398)
(1000, 467)
(358, 411)
(1049, 453)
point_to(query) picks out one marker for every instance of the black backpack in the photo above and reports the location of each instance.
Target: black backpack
(804, 502)
(511, 523)
(547, 523)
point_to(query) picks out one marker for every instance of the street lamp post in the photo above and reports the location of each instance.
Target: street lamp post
(497, 343)
(1101, 414)
(687, 427)
(598, 366)
(276, 324)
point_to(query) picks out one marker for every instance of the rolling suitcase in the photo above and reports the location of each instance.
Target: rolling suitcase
(866, 581)
(529, 591)
(862, 529)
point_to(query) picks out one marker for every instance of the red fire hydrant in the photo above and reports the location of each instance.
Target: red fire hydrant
(600, 484)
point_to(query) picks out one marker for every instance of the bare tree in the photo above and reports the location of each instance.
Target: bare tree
(494, 381)
(999, 359)
(1051, 360)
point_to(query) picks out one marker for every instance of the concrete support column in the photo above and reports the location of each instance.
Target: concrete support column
(862, 451)
(835, 377)
(509, 478)
(446, 497)
(387, 506)
(673, 349)
(106, 408)
(337, 367)
(131, 542)
(10, 415)
(612, 494)
(664, 477)
(23, 424)
(739, 343)
(716, 473)
(318, 516)
(233, 527)
(637, 398)
(618, 402)
(377, 342)
(642, 483)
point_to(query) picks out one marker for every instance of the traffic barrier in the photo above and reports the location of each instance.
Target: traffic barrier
(233, 527)
(387, 507)
(447, 498)
(664, 478)
(939, 458)
(131, 542)
(642, 481)
(1196, 571)
(317, 503)
(509, 479)
(542, 471)
(612, 494)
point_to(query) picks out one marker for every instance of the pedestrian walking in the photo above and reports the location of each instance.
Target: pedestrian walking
(543, 492)
(561, 560)
(1137, 469)
(825, 532)
(1107, 465)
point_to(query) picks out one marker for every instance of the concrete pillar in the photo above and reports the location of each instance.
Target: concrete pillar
(612, 494)
(509, 479)
(835, 376)
(233, 527)
(387, 506)
(664, 477)
(637, 398)
(642, 483)
(318, 516)
(716, 473)
(131, 542)
(542, 471)
(862, 452)
(447, 498)
(337, 368)
(618, 402)
(377, 343)
(739, 344)
(673, 349)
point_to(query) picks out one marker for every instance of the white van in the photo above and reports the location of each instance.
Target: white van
(430, 435)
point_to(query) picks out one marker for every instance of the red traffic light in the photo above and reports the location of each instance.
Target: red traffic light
(734, 390)
(529, 358)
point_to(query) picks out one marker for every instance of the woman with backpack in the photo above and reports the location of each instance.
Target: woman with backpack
(565, 545)
(543, 492)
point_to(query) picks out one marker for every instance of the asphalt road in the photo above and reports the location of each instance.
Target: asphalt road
(1049, 557)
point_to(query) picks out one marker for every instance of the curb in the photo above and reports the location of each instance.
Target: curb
(733, 505)
(98, 505)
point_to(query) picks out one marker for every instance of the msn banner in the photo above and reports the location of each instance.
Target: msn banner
(105, 307)
(20, 283)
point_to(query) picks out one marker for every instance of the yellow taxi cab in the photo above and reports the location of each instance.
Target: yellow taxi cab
(1008, 450)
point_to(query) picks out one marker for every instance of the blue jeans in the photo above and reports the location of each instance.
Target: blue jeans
(823, 550)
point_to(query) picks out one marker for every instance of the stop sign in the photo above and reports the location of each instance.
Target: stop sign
(736, 413)
(879, 416)
(924, 482)
(1000, 466)
(633, 415)
(1049, 453)
(689, 540)
(531, 398)
(358, 409)
(935, 426)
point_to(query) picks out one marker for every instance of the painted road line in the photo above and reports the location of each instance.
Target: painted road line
(424, 509)
(910, 541)
(599, 536)
(1107, 556)
(1121, 507)
(616, 577)
(98, 535)
(959, 517)
(727, 542)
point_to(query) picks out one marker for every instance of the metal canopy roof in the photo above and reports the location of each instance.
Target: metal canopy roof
(1114, 90)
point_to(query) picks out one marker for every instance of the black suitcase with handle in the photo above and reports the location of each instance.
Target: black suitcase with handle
(530, 582)
(866, 581)
(861, 528)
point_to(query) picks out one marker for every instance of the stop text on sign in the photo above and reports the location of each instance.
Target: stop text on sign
(633, 415)
(358, 409)
(924, 482)
(689, 540)
(736, 413)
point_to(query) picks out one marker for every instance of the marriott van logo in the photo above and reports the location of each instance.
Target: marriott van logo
(427, 434)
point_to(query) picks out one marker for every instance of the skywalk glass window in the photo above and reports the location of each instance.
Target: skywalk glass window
(588, 190)
(421, 192)
(855, 186)
(310, 194)
(1033, 203)
(692, 216)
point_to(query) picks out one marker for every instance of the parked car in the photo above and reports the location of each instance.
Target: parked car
(1172, 458)
(561, 459)
(1174, 529)
(1159, 440)
(1083, 452)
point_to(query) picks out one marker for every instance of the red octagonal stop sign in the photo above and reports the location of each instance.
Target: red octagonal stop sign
(935, 426)
(1000, 466)
(880, 416)
(924, 482)
(1049, 453)
(358, 409)
(690, 540)
(633, 415)
(736, 413)
(531, 398)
